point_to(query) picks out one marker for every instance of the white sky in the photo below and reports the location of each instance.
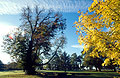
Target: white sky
(15, 6)
(77, 46)
(4, 29)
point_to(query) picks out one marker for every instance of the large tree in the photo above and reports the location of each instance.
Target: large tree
(34, 37)
(91, 28)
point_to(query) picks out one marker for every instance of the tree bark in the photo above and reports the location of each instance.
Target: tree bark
(114, 69)
(99, 69)
(29, 66)
(96, 68)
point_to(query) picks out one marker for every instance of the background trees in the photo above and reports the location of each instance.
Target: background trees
(34, 38)
(60, 62)
(74, 65)
(91, 62)
(1, 66)
(12, 66)
(104, 14)
(65, 62)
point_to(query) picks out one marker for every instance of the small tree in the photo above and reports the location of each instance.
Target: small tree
(74, 65)
(79, 60)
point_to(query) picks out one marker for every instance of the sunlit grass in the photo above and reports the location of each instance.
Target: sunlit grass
(15, 74)
(11, 72)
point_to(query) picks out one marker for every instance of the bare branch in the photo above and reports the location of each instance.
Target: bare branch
(37, 17)
(60, 44)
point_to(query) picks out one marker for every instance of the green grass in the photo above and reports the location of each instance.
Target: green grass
(76, 74)
(16, 74)
(88, 74)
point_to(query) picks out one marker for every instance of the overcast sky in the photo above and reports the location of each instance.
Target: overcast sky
(10, 11)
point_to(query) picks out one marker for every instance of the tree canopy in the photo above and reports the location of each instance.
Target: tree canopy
(91, 29)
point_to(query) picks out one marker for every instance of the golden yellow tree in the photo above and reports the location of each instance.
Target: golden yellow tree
(90, 26)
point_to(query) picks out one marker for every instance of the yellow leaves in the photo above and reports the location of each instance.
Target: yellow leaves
(118, 61)
(94, 38)
(93, 4)
(117, 45)
(96, 1)
(106, 15)
(89, 8)
(80, 41)
(106, 62)
(85, 49)
(75, 22)
(82, 28)
(80, 17)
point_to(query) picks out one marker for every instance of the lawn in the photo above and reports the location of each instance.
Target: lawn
(54, 74)
(16, 74)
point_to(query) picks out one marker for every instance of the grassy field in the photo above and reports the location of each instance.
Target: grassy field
(16, 74)
(70, 74)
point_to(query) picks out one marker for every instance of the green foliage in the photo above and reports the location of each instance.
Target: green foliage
(74, 62)
(90, 61)
(63, 61)
(12, 66)
(60, 62)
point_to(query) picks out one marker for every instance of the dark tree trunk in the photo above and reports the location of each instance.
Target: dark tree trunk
(99, 69)
(96, 68)
(30, 71)
(90, 67)
(114, 69)
(29, 65)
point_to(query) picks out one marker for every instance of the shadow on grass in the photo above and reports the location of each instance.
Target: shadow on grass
(77, 75)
